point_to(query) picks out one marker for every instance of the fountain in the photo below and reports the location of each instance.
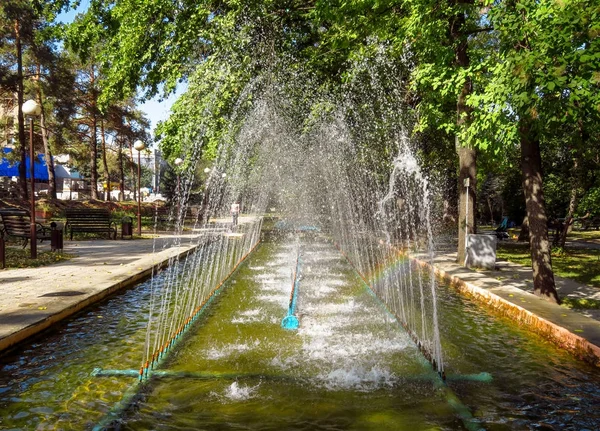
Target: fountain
(376, 341)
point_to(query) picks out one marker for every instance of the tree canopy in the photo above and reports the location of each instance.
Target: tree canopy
(469, 80)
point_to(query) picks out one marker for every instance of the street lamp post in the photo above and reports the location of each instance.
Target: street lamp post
(178, 162)
(31, 108)
(139, 146)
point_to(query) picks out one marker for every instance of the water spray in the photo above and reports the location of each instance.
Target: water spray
(441, 383)
(149, 368)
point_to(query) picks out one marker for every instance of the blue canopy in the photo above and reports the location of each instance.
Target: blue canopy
(11, 169)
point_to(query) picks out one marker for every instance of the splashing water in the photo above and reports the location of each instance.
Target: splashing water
(238, 392)
(358, 378)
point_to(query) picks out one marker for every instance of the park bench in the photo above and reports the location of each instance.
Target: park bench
(90, 220)
(163, 213)
(17, 223)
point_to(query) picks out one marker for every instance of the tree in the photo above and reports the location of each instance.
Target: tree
(494, 75)
(88, 115)
(545, 79)
(24, 26)
(12, 16)
(445, 36)
(52, 83)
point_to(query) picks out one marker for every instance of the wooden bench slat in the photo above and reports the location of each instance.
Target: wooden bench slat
(17, 223)
(93, 220)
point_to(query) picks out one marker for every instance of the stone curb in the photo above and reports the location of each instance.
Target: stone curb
(561, 337)
(14, 339)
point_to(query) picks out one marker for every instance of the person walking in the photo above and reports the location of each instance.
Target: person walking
(235, 212)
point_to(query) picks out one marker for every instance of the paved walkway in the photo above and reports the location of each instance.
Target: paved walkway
(32, 299)
(583, 243)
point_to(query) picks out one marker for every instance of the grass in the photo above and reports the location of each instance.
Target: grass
(19, 258)
(582, 265)
(584, 234)
(581, 303)
(573, 234)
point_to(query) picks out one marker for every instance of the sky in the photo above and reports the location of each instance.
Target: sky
(155, 109)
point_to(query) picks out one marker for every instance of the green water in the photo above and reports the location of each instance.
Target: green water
(344, 372)
(348, 367)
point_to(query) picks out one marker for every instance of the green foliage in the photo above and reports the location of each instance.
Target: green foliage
(534, 60)
(433, 31)
(149, 42)
(590, 202)
(342, 32)
(199, 119)
(544, 71)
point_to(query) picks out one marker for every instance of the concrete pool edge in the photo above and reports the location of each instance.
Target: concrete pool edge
(45, 322)
(527, 314)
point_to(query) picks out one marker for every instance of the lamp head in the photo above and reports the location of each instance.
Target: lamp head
(139, 145)
(206, 170)
(178, 161)
(31, 108)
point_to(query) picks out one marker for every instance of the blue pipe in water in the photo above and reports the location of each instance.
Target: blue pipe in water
(290, 321)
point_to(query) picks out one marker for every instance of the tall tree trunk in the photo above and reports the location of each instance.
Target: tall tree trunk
(7, 133)
(104, 162)
(20, 119)
(44, 133)
(93, 153)
(451, 197)
(467, 159)
(93, 150)
(491, 210)
(541, 259)
(47, 153)
(577, 181)
(467, 156)
(574, 199)
(121, 172)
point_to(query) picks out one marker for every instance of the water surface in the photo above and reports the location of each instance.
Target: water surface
(349, 366)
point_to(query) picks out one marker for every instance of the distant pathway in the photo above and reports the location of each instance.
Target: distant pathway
(583, 243)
